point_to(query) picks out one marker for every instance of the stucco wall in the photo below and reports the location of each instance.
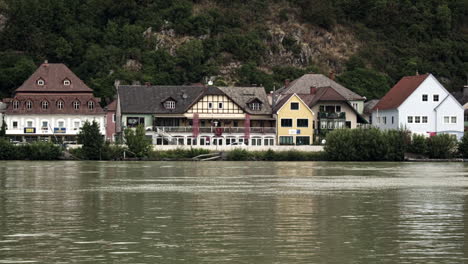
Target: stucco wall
(350, 114)
(302, 113)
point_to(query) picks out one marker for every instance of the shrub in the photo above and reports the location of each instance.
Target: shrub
(418, 145)
(33, 151)
(7, 150)
(176, 154)
(443, 146)
(92, 141)
(137, 142)
(463, 147)
(238, 155)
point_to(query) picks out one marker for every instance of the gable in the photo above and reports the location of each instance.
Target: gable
(285, 108)
(400, 92)
(215, 104)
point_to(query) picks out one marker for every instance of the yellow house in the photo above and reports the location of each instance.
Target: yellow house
(295, 121)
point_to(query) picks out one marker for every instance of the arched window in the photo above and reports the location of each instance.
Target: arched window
(16, 104)
(60, 104)
(29, 104)
(76, 105)
(90, 105)
(40, 82)
(66, 82)
(45, 105)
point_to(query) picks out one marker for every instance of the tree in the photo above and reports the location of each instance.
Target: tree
(463, 146)
(3, 128)
(92, 140)
(137, 142)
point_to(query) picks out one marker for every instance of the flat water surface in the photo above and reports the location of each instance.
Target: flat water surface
(233, 212)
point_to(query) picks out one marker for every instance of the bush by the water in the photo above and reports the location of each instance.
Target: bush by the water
(366, 145)
(270, 155)
(32, 151)
(442, 146)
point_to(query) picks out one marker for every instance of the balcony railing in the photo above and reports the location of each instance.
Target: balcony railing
(224, 130)
(327, 115)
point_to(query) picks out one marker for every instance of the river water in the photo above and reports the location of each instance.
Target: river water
(233, 212)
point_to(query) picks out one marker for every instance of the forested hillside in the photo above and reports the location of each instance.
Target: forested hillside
(369, 44)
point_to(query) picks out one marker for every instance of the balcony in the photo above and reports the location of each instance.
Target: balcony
(327, 115)
(215, 130)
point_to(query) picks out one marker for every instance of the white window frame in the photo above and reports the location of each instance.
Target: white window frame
(29, 105)
(427, 97)
(90, 105)
(424, 119)
(210, 105)
(13, 124)
(434, 97)
(452, 118)
(60, 104)
(66, 82)
(44, 105)
(40, 82)
(298, 106)
(410, 119)
(417, 120)
(16, 104)
(446, 119)
(76, 105)
(169, 104)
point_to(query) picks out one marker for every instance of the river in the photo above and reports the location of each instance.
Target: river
(233, 212)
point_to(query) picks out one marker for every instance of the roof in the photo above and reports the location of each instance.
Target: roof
(303, 84)
(142, 99)
(67, 100)
(400, 92)
(112, 106)
(242, 96)
(53, 75)
(369, 105)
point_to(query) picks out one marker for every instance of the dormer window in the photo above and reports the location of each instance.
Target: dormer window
(66, 82)
(29, 104)
(169, 104)
(60, 104)
(45, 105)
(16, 104)
(76, 105)
(90, 105)
(40, 82)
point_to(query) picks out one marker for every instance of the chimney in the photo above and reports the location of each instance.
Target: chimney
(331, 75)
(465, 91)
(286, 83)
(313, 90)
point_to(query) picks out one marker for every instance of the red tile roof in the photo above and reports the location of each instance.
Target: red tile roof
(400, 92)
(53, 75)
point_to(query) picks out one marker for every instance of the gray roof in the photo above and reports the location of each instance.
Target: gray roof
(244, 95)
(369, 105)
(142, 99)
(303, 84)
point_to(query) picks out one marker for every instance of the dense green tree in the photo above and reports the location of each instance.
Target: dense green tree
(137, 142)
(365, 82)
(92, 140)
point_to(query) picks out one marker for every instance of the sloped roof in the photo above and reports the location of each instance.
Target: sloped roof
(303, 84)
(400, 92)
(141, 99)
(112, 106)
(53, 75)
(67, 100)
(243, 95)
(369, 105)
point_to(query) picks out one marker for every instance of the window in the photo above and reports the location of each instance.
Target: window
(40, 82)
(135, 121)
(294, 106)
(302, 140)
(286, 122)
(76, 105)
(29, 105)
(410, 119)
(210, 105)
(29, 124)
(113, 118)
(15, 104)
(256, 141)
(76, 125)
(90, 105)
(286, 141)
(61, 124)
(338, 108)
(268, 141)
(384, 120)
(417, 119)
(220, 105)
(424, 97)
(45, 125)
(255, 106)
(436, 98)
(393, 120)
(424, 119)
(355, 105)
(45, 105)
(302, 122)
(169, 104)
(446, 119)
(322, 108)
(453, 119)
(66, 82)
(60, 104)
(15, 124)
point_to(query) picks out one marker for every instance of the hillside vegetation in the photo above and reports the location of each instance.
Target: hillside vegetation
(370, 44)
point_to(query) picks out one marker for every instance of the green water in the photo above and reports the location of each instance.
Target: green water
(233, 212)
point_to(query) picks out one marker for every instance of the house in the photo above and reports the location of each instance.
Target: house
(368, 106)
(198, 115)
(421, 105)
(52, 104)
(295, 121)
(462, 98)
(303, 85)
(111, 118)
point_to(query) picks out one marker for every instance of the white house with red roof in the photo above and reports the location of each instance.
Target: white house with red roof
(53, 103)
(421, 105)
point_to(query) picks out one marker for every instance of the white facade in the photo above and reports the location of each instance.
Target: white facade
(429, 109)
(48, 125)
